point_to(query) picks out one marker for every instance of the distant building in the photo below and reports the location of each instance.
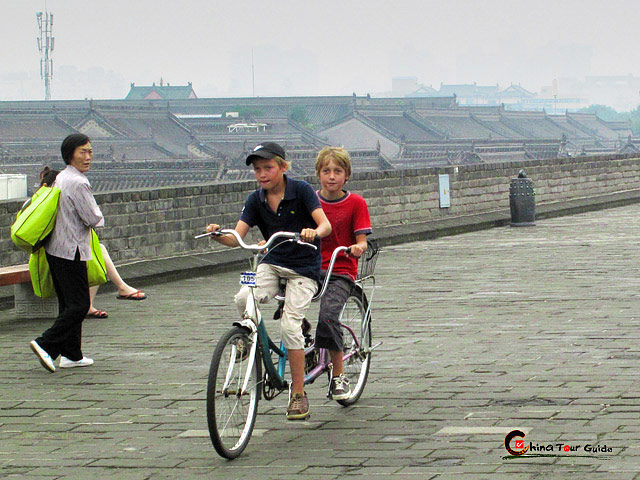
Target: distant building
(156, 92)
(515, 94)
(424, 91)
(191, 141)
(513, 97)
(621, 92)
(471, 94)
(468, 94)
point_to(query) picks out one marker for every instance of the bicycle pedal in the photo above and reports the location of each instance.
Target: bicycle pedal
(306, 327)
(308, 341)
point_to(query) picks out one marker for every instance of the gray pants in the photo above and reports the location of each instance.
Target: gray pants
(328, 332)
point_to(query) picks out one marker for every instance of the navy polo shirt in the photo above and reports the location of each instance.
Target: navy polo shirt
(293, 215)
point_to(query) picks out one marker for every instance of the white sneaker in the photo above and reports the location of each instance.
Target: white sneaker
(45, 359)
(66, 363)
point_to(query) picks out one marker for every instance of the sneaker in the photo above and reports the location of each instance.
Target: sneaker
(298, 408)
(45, 359)
(340, 389)
(66, 363)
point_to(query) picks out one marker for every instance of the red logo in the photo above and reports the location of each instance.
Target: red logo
(519, 444)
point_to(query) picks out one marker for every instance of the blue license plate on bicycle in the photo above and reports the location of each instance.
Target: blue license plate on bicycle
(248, 279)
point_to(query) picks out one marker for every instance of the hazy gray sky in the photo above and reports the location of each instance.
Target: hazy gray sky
(308, 47)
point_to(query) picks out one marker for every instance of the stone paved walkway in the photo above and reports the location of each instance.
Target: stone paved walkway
(528, 328)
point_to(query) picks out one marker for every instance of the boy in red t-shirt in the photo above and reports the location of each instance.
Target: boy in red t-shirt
(349, 217)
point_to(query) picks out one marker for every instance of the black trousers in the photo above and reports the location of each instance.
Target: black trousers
(72, 287)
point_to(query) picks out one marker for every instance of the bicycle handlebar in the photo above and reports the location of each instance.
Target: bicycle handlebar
(289, 235)
(325, 283)
(255, 247)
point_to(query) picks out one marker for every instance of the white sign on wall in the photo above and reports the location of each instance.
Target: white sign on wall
(445, 196)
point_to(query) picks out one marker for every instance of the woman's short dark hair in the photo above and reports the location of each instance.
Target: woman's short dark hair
(70, 144)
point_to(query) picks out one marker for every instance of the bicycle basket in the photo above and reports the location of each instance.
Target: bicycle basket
(368, 260)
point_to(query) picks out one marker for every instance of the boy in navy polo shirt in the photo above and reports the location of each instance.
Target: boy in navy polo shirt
(283, 204)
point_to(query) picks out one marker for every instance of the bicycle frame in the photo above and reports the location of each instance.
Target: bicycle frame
(276, 374)
(323, 360)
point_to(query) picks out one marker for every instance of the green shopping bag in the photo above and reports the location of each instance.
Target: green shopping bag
(36, 219)
(96, 268)
(41, 274)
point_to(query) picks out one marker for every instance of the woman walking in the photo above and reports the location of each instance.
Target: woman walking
(68, 250)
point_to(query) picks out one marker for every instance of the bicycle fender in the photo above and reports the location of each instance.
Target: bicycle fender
(246, 323)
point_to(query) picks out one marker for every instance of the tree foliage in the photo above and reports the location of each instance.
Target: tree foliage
(603, 112)
(247, 112)
(634, 116)
(300, 115)
(609, 114)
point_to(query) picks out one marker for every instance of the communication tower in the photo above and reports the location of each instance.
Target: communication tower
(45, 47)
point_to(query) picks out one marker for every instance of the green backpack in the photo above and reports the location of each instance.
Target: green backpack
(36, 219)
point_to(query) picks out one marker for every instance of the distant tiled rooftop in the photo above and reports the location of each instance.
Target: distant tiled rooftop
(160, 92)
(397, 133)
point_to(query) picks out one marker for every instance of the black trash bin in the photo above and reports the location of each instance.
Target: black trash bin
(522, 201)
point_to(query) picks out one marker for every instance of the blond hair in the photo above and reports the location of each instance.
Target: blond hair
(282, 162)
(338, 155)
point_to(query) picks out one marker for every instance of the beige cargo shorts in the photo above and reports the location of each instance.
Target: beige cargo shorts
(300, 291)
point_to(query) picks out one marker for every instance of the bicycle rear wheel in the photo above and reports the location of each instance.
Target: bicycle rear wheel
(231, 413)
(356, 367)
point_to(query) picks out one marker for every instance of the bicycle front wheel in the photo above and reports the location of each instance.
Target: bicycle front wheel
(231, 411)
(357, 344)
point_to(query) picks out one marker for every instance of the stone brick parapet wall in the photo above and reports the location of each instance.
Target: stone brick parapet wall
(158, 223)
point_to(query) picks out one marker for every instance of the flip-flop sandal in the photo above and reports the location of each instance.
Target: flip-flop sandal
(97, 314)
(137, 295)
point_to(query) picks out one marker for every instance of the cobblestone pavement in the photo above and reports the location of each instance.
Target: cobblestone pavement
(511, 328)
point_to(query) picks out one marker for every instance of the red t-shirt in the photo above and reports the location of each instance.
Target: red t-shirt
(349, 216)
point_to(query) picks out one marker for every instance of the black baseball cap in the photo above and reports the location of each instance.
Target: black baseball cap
(266, 150)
